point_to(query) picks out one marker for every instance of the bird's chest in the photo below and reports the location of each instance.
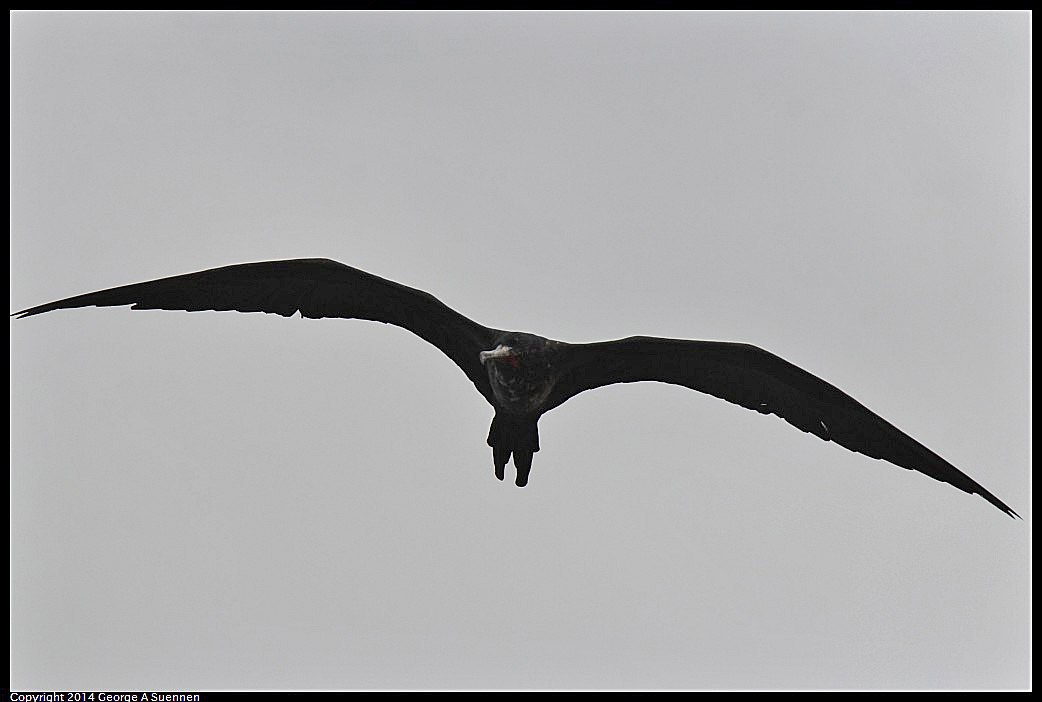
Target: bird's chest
(520, 389)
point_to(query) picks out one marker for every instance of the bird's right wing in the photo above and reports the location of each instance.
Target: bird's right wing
(757, 380)
(315, 287)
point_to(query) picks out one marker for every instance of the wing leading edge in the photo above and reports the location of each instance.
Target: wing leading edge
(315, 287)
(758, 380)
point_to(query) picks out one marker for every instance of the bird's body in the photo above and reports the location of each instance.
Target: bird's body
(523, 376)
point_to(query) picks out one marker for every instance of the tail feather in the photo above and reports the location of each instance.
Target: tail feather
(523, 463)
(500, 457)
(513, 435)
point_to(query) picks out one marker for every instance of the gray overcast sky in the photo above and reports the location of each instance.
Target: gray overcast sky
(221, 500)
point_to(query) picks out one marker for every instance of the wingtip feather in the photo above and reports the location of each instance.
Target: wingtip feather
(1000, 504)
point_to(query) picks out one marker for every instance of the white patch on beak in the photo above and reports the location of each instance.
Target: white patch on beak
(498, 352)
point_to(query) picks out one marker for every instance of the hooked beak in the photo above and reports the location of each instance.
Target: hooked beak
(500, 351)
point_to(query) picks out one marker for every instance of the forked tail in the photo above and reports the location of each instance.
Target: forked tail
(513, 435)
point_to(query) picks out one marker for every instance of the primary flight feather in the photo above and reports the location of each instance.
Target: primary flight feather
(523, 375)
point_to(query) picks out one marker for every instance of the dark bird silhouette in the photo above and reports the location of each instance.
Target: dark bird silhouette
(523, 376)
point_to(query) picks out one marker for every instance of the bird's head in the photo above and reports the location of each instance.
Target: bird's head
(518, 349)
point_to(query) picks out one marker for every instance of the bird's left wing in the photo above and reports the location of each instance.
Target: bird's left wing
(316, 287)
(757, 380)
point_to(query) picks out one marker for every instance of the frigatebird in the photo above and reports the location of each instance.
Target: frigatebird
(522, 375)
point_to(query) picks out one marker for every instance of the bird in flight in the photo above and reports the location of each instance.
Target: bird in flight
(522, 375)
